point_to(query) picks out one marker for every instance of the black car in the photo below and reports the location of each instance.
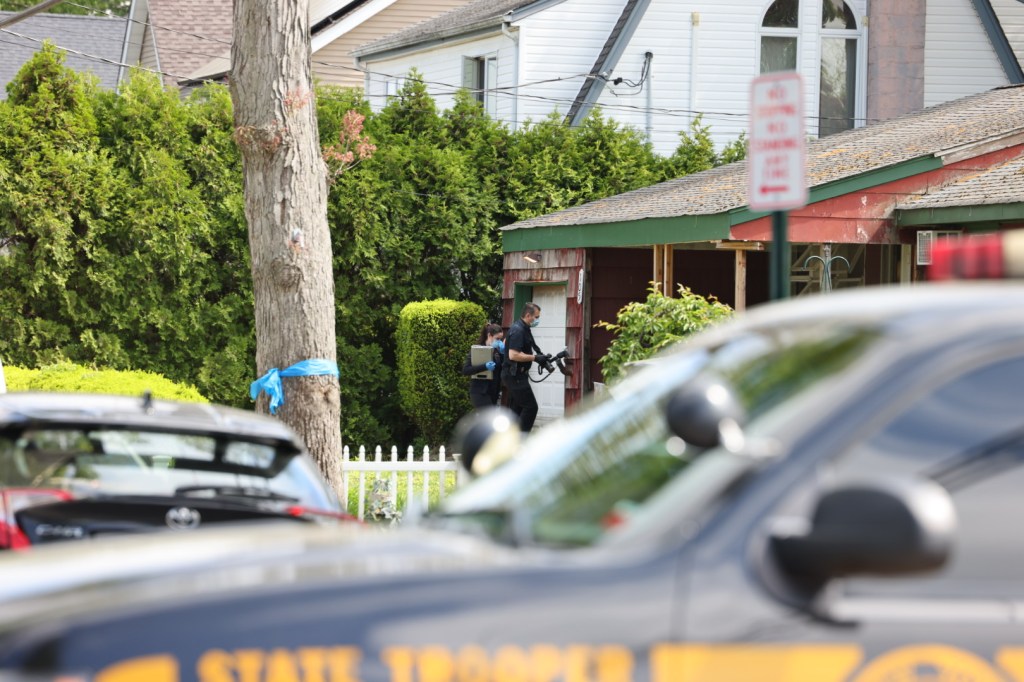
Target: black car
(76, 466)
(823, 489)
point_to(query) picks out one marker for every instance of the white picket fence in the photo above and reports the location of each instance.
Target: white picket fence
(356, 464)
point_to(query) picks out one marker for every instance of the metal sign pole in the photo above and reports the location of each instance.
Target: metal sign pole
(779, 285)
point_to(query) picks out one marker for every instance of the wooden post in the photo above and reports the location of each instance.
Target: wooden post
(663, 269)
(740, 298)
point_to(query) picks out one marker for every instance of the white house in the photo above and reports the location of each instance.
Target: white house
(655, 64)
(189, 41)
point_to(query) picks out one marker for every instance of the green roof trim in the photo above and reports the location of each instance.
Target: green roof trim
(856, 183)
(958, 215)
(694, 228)
(645, 232)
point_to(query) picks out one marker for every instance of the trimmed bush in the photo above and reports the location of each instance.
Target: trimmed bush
(433, 338)
(645, 327)
(70, 378)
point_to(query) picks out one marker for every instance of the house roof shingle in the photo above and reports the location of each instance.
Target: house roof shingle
(101, 37)
(933, 131)
(998, 185)
(189, 33)
(473, 16)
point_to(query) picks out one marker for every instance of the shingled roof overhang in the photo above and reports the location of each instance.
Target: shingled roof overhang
(707, 205)
(695, 227)
(961, 215)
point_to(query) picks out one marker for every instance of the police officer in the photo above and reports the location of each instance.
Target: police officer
(520, 352)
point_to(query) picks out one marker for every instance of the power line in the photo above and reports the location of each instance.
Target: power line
(444, 88)
(25, 14)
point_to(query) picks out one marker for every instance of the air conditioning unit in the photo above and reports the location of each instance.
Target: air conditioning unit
(925, 239)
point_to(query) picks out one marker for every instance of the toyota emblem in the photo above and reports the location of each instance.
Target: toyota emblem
(182, 518)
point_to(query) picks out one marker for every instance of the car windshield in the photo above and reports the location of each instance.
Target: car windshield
(577, 478)
(109, 461)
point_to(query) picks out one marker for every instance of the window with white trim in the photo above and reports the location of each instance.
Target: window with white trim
(838, 40)
(480, 77)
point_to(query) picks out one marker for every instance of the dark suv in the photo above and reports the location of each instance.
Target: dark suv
(825, 489)
(76, 466)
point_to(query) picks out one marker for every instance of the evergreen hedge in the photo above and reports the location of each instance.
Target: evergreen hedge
(70, 378)
(433, 338)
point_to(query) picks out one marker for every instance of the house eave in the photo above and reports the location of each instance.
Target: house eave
(960, 215)
(454, 38)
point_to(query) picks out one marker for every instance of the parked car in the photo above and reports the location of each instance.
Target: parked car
(822, 489)
(76, 466)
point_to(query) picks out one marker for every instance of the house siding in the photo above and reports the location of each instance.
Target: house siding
(704, 59)
(1011, 16)
(550, 51)
(147, 57)
(959, 59)
(441, 70)
(334, 64)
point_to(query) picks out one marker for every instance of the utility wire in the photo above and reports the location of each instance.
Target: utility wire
(444, 88)
(25, 14)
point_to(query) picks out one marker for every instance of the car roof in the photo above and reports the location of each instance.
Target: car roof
(84, 409)
(926, 308)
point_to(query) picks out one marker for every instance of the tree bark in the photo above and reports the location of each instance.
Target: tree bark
(286, 209)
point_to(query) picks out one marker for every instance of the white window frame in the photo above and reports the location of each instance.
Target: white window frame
(813, 33)
(483, 87)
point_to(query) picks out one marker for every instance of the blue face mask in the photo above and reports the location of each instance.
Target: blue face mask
(498, 344)
(535, 322)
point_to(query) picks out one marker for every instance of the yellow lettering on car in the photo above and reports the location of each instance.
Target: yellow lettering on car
(614, 664)
(761, 662)
(342, 663)
(159, 668)
(399, 660)
(545, 663)
(945, 662)
(307, 664)
(435, 664)
(472, 664)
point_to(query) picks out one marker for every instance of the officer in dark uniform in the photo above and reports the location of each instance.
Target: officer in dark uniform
(520, 352)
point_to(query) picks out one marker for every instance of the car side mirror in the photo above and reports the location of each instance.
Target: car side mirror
(485, 438)
(883, 527)
(706, 412)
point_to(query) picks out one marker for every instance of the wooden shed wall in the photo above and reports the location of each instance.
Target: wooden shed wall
(555, 266)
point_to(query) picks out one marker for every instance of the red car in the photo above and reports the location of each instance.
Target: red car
(75, 466)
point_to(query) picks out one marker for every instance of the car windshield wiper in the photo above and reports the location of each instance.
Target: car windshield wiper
(234, 491)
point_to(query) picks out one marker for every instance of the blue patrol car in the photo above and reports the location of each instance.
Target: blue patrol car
(822, 489)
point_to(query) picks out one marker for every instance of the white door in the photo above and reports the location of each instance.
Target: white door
(550, 336)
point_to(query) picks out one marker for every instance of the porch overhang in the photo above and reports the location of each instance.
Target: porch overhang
(738, 224)
(960, 215)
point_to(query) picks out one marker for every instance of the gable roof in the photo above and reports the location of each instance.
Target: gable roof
(993, 26)
(100, 37)
(938, 131)
(189, 33)
(607, 60)
(474, 17)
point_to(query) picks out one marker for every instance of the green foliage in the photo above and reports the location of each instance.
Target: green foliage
(70, 378)
(433, 338)
(123, 220)
(696, 151)
(644, 328)
(125, 245)
(552, 166)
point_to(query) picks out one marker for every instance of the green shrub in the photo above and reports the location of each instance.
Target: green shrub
(646, 327)
(70, 378)
(433, 338)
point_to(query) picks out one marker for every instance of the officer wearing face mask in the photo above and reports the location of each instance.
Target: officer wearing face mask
(520, 352)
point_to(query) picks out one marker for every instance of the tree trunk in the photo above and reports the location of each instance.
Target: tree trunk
(286, 209)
